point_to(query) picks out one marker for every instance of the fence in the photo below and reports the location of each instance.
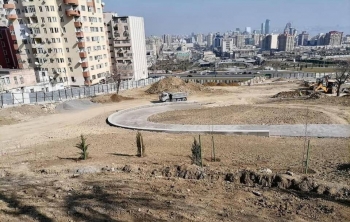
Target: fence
(10, 99)
(299, 75)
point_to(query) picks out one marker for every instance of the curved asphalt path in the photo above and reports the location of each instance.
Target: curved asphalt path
(137, 119)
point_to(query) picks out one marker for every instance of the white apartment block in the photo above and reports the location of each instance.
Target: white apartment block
(128, 46)
(63, 39)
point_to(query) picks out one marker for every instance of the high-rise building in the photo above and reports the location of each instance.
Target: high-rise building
(227, 45)
(303, 38)
(333, 38)
(320, 39)
(199, 38)
(270, 42)
(129, 47)
(287, 28)
(267, 26)
(167, 39)
(248, 29)
(62, 39)
(285, 42)
(210, 38)
(239, 41)
(262, 29)
(3, 9)
(7, 49)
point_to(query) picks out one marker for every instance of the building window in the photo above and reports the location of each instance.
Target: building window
(8, 80)
(20, 21)
(65, 40)
(93, 76)
(3, 44)
(67, 49)
(47, 8)
(73, 79)
(21, 79)
(64, 29)
(32, 90)
(69, 60)
(71, 69)
(54, 19)
(83, 8)
(62, 19)
(40, 9)
(60, 8)
(7, 60)
(0, 36)
(29, 60)
(52, 8)
(15, 79)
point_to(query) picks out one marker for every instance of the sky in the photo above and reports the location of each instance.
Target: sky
(181, 17)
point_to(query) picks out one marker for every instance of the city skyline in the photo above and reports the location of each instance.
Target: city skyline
(194, 13)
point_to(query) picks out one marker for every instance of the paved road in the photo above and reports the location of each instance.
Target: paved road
(138, 119)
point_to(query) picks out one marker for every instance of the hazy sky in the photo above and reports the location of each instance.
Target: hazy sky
(204, 16)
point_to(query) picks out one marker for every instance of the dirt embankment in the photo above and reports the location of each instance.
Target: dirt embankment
(174, 84)
(16, 114)
(109, 98)
(243, 114)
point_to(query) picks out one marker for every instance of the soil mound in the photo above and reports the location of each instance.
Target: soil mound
(317, 95)
(292, 94)
(114, 98)
(174, 84)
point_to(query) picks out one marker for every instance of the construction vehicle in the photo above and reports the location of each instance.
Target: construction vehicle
(172, 97)
(326, 84)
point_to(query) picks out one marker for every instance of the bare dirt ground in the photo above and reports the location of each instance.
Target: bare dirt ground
(41, 179)
(244, 114)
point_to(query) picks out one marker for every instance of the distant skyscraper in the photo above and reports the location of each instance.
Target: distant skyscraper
(262, 28)
(238, 30)
(303, 38)
(248, 29)
(267, 26)
(333, 38)
(287, 28)
(210, 38)
(167, 39)
(285, 42)
(199, 38)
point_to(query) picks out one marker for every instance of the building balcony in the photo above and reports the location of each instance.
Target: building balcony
(30, 14)
(86, 74)
(15, 46)
(71, 2)
(80, 34)
(72, 13)
(85, 64)
(90, 4)
(77, 24)
(11, 17)
(83, 54)
(9, 6)
(81, 44)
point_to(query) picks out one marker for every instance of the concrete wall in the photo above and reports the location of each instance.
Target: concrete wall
(11, 99)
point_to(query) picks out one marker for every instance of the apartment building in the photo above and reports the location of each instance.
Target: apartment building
(285, 42)
(3, 20)
(128, 48)
(303, 38)
(270, 42)
(64, 39)
(333, 38)
(7, 49)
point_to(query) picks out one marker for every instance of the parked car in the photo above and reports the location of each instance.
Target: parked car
(189, 76)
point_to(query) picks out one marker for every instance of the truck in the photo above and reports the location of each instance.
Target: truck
(172, 97)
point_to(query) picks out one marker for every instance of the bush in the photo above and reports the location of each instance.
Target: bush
(83, 147)
(140, 146)
(196, 153)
